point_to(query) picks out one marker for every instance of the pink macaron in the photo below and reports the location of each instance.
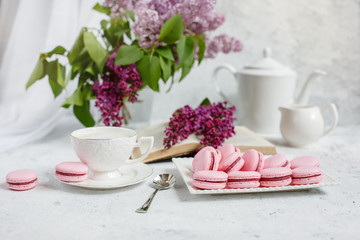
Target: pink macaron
(305, 161)
(232, 162)
(306, 175)
(275, 177)
(207, 158)
(254, 160)
(227, 149)
(243, 179)
(21, 180)
(71, 171)
(209, 180)
(277, 160)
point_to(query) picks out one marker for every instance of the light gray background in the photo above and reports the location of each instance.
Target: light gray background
(303, 34)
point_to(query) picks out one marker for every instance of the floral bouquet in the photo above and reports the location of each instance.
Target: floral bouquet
(140, 43)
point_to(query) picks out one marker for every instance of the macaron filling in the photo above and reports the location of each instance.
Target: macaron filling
(212, 163)
(70, 174)
(258, 166)
(210, 181)
(232, 164)
(22, 183)
(243, 180)
(285, 164)
(267, 179)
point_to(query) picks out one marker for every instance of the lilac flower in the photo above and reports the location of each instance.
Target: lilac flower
(119, 84)
(214, 122)
(222, 43)
(118, 7)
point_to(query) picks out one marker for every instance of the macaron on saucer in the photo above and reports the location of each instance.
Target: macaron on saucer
(129, 175)
(306, 175)
(277, 160)
(254, 160)
(71, 171)
(21, 180)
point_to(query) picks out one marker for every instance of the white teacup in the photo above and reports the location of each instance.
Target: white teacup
(105, 149)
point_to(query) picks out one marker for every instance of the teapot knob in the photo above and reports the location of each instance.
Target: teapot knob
(267, 52)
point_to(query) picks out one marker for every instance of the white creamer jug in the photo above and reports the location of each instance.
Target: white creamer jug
(303, 125)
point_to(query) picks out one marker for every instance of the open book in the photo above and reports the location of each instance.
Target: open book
(244, 139)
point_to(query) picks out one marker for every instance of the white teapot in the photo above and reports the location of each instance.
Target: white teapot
(303, 125)
(262, 88)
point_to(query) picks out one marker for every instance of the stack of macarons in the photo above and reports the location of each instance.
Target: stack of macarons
(227, 167)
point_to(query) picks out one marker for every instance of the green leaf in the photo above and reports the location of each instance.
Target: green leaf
(83, 114)
(55, 87)
(130, 14)
(202, 45)
(74, 99)
(97, 53)
(102, 9)
(172, 30)
(185, 49)
(56, 73)
(128, 55)
(88, 94)
(95, 50)
(150, 72)
(58, 50)
(77, 47)
(186, 69)
(205, 102)
(166, 53)
(166, 69)
(38, 73)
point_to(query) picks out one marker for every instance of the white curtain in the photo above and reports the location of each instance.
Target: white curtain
(27, 28)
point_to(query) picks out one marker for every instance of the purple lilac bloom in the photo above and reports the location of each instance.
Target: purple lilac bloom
(222, 43)
(214, 122)
(118, 7)
(119, 84)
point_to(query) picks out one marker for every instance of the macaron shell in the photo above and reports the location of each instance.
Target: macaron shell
(305, 161)
(277, 160)
(280, 183)
(208, 185)
(22, 187)
(254, 160)
(306, 175)
(227, 149)
(234, 162)
(73, 178)
(200, 155)
(72, 168)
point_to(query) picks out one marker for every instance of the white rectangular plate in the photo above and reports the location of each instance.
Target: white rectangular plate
(184, 166)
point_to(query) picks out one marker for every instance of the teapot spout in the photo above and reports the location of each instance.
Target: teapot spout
(303, 97)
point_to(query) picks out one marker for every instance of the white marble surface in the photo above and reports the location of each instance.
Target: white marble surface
(57, 211)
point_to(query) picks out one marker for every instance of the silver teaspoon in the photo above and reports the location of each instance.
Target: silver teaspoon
(161, 181)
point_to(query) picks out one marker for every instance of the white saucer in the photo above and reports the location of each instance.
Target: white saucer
(130, 175)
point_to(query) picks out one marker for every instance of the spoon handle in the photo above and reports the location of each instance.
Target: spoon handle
(144, 208)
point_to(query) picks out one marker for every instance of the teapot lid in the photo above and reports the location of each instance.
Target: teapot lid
(268, 66)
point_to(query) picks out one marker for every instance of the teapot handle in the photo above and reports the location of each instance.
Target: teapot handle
(214, 78)
(332, 107)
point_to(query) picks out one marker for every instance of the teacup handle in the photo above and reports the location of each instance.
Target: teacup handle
(150, 140)
(214, 78)
(332, 107)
